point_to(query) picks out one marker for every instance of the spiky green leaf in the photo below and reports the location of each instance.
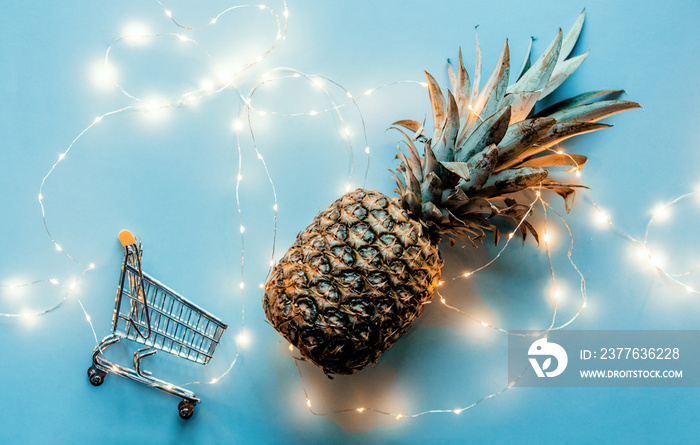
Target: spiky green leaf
(458, 168)
(480, 167)
(408, 124)
(569, 41)
(557, 160)
(437, 101)
(577, 100)
(521, 104)
(562, 71)
(477, 69)
(527, 63)
(491, 95)
(449, 133)
(594, 111)
(490, 131)
(520, 137)
(431, 188)
(514, 180)
(539, 73)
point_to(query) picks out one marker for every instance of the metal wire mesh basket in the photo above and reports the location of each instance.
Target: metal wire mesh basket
(176, 325)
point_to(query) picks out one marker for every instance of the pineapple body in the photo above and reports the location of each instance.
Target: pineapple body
(353, 282)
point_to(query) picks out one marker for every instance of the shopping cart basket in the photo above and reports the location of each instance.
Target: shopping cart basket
(149, 313)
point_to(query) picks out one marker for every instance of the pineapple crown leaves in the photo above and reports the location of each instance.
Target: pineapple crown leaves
(490, 142)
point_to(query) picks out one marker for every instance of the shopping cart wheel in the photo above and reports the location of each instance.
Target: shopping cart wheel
(96, 376)
(186, 409)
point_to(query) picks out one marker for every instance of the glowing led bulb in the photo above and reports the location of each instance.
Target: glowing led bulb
(346, 130)
(237, 125)
(643, 253)
(98, 119)
(41, 196)
(261, 286)
(239, 177)
(584, 305)
(242, 229)
(258, 59)
(286, 13)
(661, 211)
(457, 411)
(308, 403)
(262, 113)
(369, 92)
(103, 75)
(73, 285)
(423, 84)
(243, 339)
(136, 33)
(207, 85)
(274, 207)
(59, 248)
(367, 149)
(91, 266)
(469, 107)
(511, 235)
(272, 263)
(53, 281)
(578, 173)
(602, 217)
(348, 187)
(440, 283)
(262, 6)
(213, 21)
(214, 380)
(169, 13)
(169, 386)
(560, 152)
(484, 324)
(360, 410)
(689, 289)
(349, 94)
(260, 156)
(279, 36)
(545, 237)
(399, 416)
(442, 300)
(241, 285)
(511, 384)
(153, 105)
(313, 113)
(467, 274)
(291, 348)
(27, 315)
(318, 83)
(538, 194)
(87, 317)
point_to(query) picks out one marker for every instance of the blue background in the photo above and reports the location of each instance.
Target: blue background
(170, 178)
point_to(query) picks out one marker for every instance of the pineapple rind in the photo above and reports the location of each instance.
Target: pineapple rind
(353, 282)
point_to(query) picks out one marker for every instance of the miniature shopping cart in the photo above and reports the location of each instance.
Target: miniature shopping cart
(149, 313)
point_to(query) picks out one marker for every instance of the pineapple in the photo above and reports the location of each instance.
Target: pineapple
(358, 276)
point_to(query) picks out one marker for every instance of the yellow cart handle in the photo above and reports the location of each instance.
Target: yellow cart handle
(127, 238)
